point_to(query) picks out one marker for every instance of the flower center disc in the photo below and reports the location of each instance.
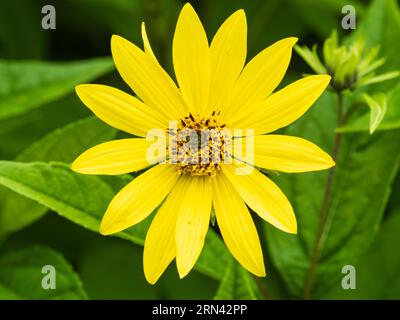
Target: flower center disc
(200, 145)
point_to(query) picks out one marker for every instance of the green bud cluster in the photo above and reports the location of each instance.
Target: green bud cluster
(351, 66)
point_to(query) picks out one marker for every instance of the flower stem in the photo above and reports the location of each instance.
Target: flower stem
(325, 205)
(262, 288)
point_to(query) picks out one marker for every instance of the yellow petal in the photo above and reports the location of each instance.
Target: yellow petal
(264, 197)
(146, 43)
(138, 199)
(228, 55)
(120, 110)
(283, 107)
(116, 157)
(259, 77)
(192, 224)
(160, 244)
(288, 154)
(237, 226)
(147, 79)
(190, 54)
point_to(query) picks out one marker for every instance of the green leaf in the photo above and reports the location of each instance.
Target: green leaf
(377, 271)
(364, 173)
(79, 198)
(311, 58)
(32, 126)
(25, 85)
(331, 45)
(21, 276)
(391, 120)
(378, 107)
(122, 261)
(379, 78)
(214, 257)
(83, 200)
(64, 145)
(368, 65)
(237, 284)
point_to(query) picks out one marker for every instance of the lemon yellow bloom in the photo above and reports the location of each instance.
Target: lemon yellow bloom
(214, 87)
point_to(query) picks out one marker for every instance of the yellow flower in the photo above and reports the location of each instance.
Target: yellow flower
(216, 91)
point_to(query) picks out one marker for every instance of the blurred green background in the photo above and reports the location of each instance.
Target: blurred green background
(38, 70)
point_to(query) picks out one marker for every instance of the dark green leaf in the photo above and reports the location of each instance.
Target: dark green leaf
(21, 276)
(32, 126)
(378, 269)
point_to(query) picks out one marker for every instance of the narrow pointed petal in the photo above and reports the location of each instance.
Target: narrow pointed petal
(138, 199)
(147, 79)
(228, 55)
(288, 154)
(116, 157)
(237, 226)
(146, 43)
(264, 197)
(160, 244)
(283, 107)
(259, 77)
(192, 224)
(120, 110)
(191, 59)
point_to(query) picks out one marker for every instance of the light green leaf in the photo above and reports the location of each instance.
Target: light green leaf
(390, 121)
(364, 173)
(329, 48)
(311, 58)
(64, 145)
(237, 284)
(25, 85)
(83, 200)
(379, 78)
(378, 107)
(21, 276)
(369, 66)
